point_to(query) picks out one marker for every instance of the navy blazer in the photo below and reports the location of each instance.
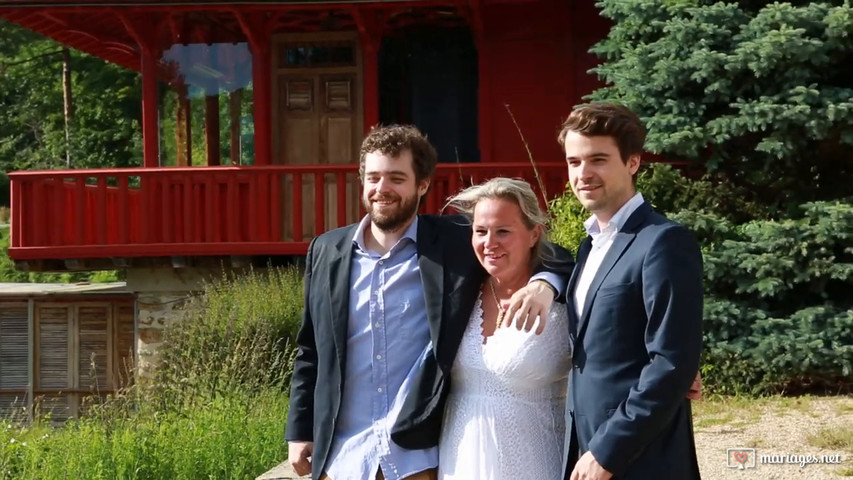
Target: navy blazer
(637, 345)
(451, 277)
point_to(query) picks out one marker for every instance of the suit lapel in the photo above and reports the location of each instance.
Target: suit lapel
(431, 263)
(620, 242)
(583, 254)
(339, 277)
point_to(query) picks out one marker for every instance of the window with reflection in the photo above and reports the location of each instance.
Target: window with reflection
(206, 107)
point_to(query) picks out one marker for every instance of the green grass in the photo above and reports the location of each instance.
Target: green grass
(741, 411)
(705, 422)
(835, 437)
(229, 438)
(845, 472)
(735, 411)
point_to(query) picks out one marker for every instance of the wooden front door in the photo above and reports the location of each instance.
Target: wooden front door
(318, 122)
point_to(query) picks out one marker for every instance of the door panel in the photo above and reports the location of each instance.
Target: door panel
(319, 122)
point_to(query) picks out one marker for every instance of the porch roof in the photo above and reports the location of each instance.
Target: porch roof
(113, 29)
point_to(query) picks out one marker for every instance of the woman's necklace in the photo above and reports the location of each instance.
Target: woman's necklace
(501, 310)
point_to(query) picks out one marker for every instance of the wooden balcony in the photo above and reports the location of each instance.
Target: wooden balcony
(208, 211)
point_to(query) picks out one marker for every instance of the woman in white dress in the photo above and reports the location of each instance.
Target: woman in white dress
(505, 416)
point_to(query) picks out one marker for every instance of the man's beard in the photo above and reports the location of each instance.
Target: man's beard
(395, 218)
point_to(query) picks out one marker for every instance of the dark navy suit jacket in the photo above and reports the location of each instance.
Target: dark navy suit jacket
(636, 352)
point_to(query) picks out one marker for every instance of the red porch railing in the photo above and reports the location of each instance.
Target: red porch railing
(258, 210)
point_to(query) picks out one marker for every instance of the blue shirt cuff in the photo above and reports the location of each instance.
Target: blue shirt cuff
(556, 281)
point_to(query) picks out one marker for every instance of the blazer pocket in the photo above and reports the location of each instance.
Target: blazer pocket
(615, 290)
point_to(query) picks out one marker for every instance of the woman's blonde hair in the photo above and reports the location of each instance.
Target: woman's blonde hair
(513, 190)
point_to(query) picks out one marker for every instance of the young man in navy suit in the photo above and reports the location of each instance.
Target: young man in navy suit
(635, 313)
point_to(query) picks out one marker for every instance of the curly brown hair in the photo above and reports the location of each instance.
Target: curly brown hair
(394, 139)
(609, 120)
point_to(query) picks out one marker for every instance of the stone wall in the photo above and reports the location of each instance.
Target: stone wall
(160, 294)
(155, 312)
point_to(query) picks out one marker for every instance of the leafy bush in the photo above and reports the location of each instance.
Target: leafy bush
(566, 221)
(778, 312)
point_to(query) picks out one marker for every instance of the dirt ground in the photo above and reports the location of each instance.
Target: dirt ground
(787, 428)
(784, 427)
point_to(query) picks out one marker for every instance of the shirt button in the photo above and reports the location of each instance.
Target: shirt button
(381, 262)
(379, 389)
(379, 357)
(376, 324)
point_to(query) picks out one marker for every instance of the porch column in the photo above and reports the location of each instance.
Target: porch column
(211, 128)
(143, 31)
(370, 49)
(258, 31)
(183, 127)
(150, 116)
(262, 100)
(484, 90)
(370, 30)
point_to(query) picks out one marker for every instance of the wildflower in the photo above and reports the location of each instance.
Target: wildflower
(12, 441)
(24, 444)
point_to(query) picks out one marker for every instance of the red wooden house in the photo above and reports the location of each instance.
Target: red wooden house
(253, 112)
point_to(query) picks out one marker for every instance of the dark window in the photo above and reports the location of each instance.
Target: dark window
(428, 77)
(319, 55)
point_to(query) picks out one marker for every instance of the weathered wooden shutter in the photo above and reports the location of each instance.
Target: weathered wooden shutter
(55, 372)
(94, 359)
(81, 352)
(123, 367)
(14, 357)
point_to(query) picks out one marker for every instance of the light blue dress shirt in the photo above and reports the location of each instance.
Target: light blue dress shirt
(387, 340)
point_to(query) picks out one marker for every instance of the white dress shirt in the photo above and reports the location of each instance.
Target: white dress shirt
(602, 239)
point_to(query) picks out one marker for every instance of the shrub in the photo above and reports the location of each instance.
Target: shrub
(778, 313)
(566, 221)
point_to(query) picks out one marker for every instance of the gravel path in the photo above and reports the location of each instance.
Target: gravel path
(776, 427)
(772, 427)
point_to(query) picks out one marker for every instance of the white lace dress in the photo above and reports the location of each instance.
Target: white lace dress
(505, 416)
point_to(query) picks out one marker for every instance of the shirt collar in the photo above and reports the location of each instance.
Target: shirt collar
(619, 218)
(358, 239)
